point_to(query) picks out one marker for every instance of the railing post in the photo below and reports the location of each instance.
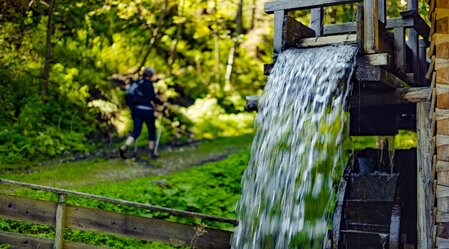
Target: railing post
(60, 222)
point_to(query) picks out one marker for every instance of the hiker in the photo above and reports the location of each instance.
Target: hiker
(142, 110)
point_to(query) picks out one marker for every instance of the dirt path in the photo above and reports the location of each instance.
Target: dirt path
(100, 170)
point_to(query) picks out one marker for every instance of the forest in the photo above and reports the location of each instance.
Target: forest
(65, 67)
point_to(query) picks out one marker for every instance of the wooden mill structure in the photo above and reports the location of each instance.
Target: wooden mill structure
(401, 82)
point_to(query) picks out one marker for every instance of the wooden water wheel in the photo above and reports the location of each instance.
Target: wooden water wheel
(376, 203)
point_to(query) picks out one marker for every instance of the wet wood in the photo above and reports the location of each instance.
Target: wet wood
(338, 211)
(88, 219)
(278, 42)
(289, 5)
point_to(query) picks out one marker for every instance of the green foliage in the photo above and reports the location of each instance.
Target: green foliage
(213, 189)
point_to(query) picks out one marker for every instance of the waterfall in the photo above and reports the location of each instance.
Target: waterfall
(287, 187)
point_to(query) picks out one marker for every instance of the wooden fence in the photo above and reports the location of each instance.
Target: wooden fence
(62, 215)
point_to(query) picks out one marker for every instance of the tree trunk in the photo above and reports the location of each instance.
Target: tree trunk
(253, 15)
(154, 36)
(48, 55)
(238, 31)
(172, 58)
(216, 42)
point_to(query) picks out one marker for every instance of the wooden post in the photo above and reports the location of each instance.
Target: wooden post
(413, 43)
(316, 21)
(360, 26)
(400, 52)
(423, 65)
(60, 222)
(425, 174)
(279, 16)
(371, 26)
(382, 11)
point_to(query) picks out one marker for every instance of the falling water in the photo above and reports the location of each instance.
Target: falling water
(299, 130)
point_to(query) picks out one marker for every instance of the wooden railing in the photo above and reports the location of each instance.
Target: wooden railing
(62, 215)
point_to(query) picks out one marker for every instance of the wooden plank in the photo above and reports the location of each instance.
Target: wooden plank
(360, 26)
(425, 177)
(429, 73)
(442, 217)
(382, 59)
(25, 242)
(60, 222)
(443, 178)
(118, 201)
(400, 96)
(326, 40)
(371, 28)
(316, 21)
(378, 78)
(144, 228)
(293, 32)
(442, 165)
(289, 5)
(443, 230)
(442, 25)
(442, 191)
(423, 64)
(442, 75)
(442, 243)
(88, 219)
(441, 45)
(351, 27)
(443, 204)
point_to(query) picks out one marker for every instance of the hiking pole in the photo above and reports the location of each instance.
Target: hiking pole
(135, 147)
(159, 131)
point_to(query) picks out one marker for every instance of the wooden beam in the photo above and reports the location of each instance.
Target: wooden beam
(425, 173)
(326, 40)
(378, 78)
(293, 32)
(371, 28)
(400, 51)
(405, 22)
(382, 59)
(372, 98)
(278, 33)
(316, 21)
(289, 5)
(382, 11)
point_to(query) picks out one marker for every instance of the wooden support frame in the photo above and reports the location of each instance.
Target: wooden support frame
(60, 222)
(289, 5)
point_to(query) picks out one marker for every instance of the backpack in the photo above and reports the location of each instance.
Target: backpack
(133, 94)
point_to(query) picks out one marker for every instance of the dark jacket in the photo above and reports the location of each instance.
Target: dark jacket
(147, 89)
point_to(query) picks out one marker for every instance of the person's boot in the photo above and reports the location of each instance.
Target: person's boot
(152, 154)
(123, 151)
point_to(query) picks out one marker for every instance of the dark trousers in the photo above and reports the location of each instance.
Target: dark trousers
(139, 117)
